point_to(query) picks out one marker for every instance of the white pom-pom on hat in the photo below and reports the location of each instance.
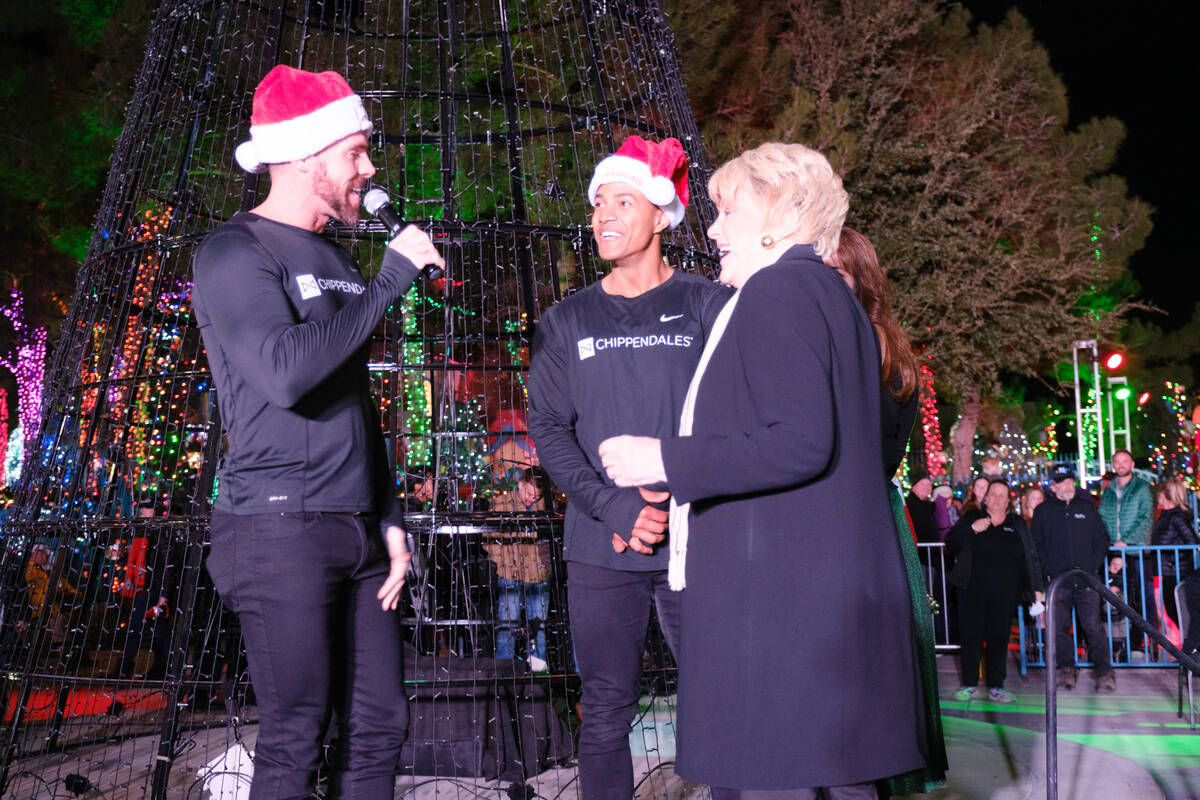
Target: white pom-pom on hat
(657, 170)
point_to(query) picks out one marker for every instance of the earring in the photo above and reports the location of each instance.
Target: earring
(766, 241)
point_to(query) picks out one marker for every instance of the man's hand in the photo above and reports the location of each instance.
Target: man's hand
(980, 525)
(415, 245)
(650, 527)
(397, 547)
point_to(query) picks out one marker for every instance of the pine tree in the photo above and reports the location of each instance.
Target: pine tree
(1005, 236)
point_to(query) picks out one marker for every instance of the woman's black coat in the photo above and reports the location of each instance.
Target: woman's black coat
(797, 664)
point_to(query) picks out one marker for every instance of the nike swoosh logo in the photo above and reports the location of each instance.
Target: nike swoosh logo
(665, 318)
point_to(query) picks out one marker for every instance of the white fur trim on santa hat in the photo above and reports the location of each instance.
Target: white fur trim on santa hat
(300, 137)
(659, 190)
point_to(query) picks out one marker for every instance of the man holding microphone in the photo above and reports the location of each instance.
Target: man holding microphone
(307, 541)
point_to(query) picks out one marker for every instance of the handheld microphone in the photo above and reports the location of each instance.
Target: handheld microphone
(378, 204)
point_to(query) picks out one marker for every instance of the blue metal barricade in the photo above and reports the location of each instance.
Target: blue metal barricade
(1145, 578)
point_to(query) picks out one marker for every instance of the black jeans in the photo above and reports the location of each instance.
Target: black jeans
(303, 586)
(1075, 593)
(610, 611)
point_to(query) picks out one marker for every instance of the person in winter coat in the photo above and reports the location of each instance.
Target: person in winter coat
(1127, 508)
(995, 568)
(1175, 527)
(1069, 534)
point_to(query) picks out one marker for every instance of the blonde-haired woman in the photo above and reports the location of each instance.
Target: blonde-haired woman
(796, 621)
(1176, 527)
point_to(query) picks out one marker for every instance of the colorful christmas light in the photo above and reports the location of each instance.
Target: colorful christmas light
(930, 427)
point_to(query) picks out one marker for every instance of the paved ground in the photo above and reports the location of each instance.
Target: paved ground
(1125, 745)
(1129, 744)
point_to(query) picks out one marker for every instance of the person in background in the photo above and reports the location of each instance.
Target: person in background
(995, 569)
(920, 508)
(1127, 508)
(1069, 534)
(522, 573)
(1176, 528)
(944, 513)
(974, 498)
(1034, 496)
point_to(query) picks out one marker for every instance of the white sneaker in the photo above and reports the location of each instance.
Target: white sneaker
(1000, 696)
(964, 693)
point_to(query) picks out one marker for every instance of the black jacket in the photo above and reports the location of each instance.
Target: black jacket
(1174, 527)
(958, 547)
(1070, 535)
(921, 513)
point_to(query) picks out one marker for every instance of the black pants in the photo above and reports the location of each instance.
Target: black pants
(303, 587)
(610, 611)
(1076, 594)
(985, 618)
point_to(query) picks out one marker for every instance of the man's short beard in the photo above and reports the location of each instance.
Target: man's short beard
(334, 197)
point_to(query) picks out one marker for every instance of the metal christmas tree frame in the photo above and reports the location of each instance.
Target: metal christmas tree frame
(489, 117)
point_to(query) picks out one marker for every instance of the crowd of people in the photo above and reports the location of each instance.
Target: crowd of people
(1001, 551)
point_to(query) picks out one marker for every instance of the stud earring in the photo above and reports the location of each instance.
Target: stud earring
(766, 241)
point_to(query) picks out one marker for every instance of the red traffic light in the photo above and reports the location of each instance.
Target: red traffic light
(1143, 398)
(1114, 361)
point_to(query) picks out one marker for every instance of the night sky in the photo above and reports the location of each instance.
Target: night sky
(1135, 62)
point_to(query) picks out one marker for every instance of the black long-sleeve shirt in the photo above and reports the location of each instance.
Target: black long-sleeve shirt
(605, 365)
(286, 316)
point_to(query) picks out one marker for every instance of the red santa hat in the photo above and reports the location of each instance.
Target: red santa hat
(658, 171)
(298, 113)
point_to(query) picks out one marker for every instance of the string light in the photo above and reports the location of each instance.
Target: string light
(3, 434)
(935, 457)
(1176, 456)
(27, 363)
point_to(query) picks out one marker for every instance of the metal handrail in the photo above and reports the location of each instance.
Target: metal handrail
(1138, 622)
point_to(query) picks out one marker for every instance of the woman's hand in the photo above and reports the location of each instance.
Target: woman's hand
(633, 460)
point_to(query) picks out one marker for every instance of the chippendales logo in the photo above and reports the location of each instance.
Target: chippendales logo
(590, 346)
(311, 287)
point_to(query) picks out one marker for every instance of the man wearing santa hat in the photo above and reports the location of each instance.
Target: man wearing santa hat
(307, 543)
(614, 357)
